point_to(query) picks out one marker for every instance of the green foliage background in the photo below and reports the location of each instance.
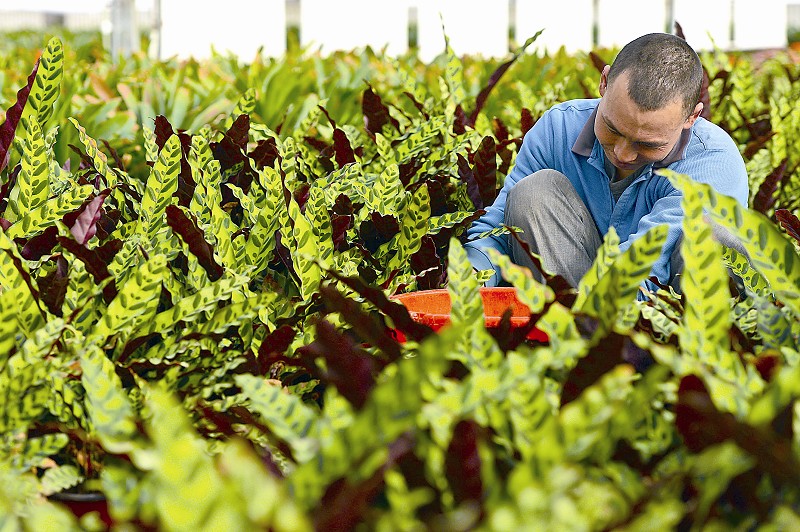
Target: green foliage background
(194, 320)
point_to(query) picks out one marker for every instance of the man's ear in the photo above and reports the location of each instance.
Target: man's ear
(604, 80)
(694, 116)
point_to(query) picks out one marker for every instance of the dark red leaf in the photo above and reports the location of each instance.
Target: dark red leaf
(341, 145)
(367, 326)
(195, 239)
(398, 313)
(53, 287)
(409, 169)
(427, 264)
(85, 225)
(339, 226)
(702, 425)
(463, 463)
(485, 170)
(96, 262)
(460, 121)
(765, 197)
(349, 368)
(40, 245)
(789, 222)
(265, 153)
(13, 115)
(376, 114)
(345, 505)
(468, 176)
(601, 359)
(526, 120)
(598, 62)
(276, 342)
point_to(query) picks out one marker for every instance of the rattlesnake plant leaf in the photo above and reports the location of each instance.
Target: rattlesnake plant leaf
(414, 225)
(60, 478)
(286, 415)
(619, 284)
(476, 347)
(160, 189)
(49, 212)
(304, 250)
(390, 411)
(47, 84)
(529, 291)
(606, 256)
(704, 281)
(320, 222)
(245, 106)
(110, 411)
(135, 304)
(33, 181)
(19, 287)
(99, 159)
(770, 251)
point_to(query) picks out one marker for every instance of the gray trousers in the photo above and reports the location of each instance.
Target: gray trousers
(558, 228)
(556, 225)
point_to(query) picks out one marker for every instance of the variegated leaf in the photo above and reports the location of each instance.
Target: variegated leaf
(47, 84)
(160, 189)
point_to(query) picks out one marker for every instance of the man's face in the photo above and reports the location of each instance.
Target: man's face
(632, 138)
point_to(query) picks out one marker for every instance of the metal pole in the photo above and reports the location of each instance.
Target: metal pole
(124, 35)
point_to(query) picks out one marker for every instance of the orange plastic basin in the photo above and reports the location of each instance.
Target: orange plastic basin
(432, 308)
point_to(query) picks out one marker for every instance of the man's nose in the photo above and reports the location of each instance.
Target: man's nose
(624, 152)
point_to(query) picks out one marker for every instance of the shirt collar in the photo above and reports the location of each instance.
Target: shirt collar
(584, 144)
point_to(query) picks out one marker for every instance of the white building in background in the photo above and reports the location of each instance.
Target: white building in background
(184, 28)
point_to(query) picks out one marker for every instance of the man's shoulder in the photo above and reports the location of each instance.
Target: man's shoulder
(709, 136)
(580, 106)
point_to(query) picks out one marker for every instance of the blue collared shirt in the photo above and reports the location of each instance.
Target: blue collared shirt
(563, 139)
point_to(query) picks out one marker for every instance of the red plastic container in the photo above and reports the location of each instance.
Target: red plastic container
(432, 308)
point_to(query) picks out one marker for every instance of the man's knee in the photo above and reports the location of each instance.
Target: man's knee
(536, 191)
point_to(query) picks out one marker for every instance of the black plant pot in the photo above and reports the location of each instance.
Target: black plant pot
(83, 503)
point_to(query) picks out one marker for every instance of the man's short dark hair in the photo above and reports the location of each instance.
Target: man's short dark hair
(661, 68)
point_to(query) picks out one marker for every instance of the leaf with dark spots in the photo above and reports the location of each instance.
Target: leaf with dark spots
(765, 197)
(195, 239)
(397, 312)
(40, 245)
(265, 153)
(371, 330)
(417, 104)
(275, 343)
(349, 368)
(460, 121)
(702, 425)
(83, 223)
(598, 62)
(463, 462)
(600, 359)
(485, 169)
(466, 175)
(53, 287)
(345, 504)
(789, 222)
(96, 262)
(13, 116)
(526, 120)
(341, 145)
(376, 114)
